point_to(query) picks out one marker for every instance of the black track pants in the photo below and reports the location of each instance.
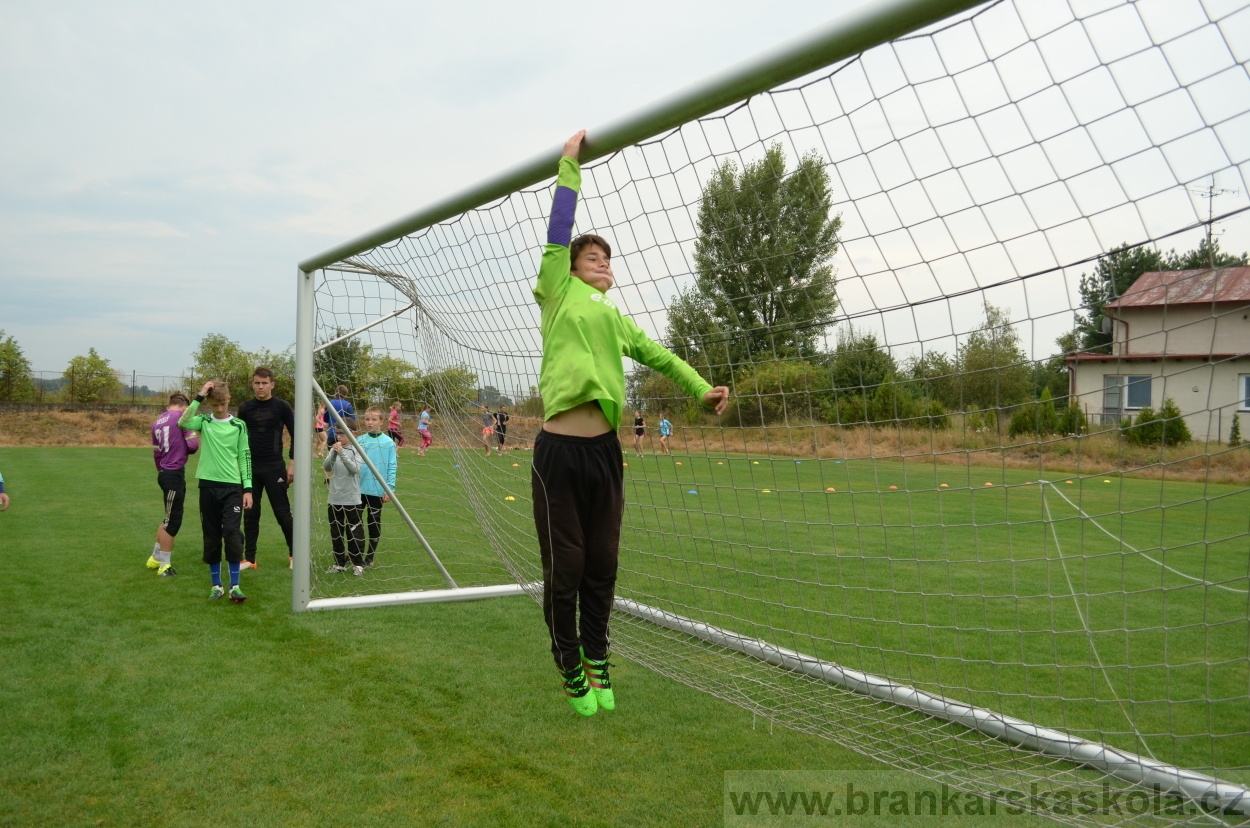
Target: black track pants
(578, 488)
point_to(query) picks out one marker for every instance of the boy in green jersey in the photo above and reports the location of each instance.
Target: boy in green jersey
(577, 479)
(225, 475)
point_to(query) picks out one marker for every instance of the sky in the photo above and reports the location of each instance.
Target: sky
(165, 166)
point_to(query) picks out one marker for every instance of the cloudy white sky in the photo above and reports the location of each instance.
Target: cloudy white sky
(166, 166)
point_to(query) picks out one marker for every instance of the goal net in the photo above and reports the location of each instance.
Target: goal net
(977, 508)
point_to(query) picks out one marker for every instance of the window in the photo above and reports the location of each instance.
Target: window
(1124, 393)
(1138, 389)
(1111, 394)
(1243, 395)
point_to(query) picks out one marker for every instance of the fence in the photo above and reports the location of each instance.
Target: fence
(116, 387)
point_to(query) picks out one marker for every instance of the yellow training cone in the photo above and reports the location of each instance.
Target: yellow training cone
(719, 463)
(766, 491)
(988, 483)
(755, 462)
(943, 486)
(679, 462)
(509, 497)
(830, 489)
(514, 465)
(1106, 481)
(1069, 482)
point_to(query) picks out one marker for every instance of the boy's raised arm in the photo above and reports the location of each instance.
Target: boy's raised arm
(555, 267)
(643, 349)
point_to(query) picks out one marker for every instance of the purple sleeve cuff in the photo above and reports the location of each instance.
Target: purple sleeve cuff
(560, 229)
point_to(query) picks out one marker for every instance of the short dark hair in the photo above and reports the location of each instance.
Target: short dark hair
(262, 371)
(586, 240)
(341, 391)
(179, 398)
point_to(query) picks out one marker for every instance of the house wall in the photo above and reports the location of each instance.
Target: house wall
(1208, 394)
(1184, 329)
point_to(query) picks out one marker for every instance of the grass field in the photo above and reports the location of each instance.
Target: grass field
(133, 700)
(1109, 607)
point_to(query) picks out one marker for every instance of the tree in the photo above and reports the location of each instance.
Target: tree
(382, 378)
(91, 378)
(451, 390)
(995, 370)
(344, 363)
(935, 376)
(1234, 433)
(1122, 266)
(220, 358)
(15, 382)
(491, 397)
(858, 364)
(764, 287)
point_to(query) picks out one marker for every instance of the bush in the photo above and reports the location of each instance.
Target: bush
(1165, 426)
(1072, 420)
(1023, 421)
(932, 414)
(779, 391)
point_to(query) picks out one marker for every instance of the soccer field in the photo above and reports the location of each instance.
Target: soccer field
(1109, 607)
(133, 700)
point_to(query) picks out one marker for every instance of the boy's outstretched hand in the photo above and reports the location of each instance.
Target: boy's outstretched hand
(573, 146)
(717, 399)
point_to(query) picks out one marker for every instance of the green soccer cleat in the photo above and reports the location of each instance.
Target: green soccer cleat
(153, 563)
(216, 592)
(166, 571)
(600, 682)
(578, 691)
(236, 595)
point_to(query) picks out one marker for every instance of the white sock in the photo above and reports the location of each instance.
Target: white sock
(161, 557)
(156, 548)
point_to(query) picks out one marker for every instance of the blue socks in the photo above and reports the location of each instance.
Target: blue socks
(215, 571)
(234, 574)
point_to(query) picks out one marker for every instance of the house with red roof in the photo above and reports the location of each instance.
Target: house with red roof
(1183, 334)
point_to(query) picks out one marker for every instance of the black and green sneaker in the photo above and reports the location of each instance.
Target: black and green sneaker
(236, 595)
(578, 691)
(599, 680)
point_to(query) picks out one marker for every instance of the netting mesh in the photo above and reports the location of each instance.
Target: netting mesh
(869, 500)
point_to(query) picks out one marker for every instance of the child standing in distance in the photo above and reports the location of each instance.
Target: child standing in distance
(225, 475)
(577, 479)
(501, 426)
(423, 427)
(380, 449)
(666, 431)
(319, 430)
(488, 427)
(171, 446)
(4, 497)
(343, 406)
(343, 504)
(640, 428)
(394, 426)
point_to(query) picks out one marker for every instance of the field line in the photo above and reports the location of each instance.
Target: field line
(1089, 635)
(1129, 546)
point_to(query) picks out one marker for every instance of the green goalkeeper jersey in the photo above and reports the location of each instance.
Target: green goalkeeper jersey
(584, 333)
(224, 453)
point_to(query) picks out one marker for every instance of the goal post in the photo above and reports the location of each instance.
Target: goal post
(921, 529)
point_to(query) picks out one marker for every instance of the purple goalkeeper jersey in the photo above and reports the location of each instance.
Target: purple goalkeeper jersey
(170, 444)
